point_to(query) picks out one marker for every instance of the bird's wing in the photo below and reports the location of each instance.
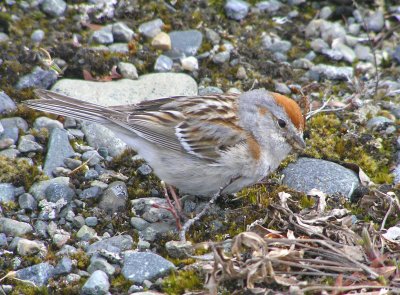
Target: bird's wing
(203, 126)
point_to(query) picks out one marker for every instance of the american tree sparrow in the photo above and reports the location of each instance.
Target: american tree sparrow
(199, 143)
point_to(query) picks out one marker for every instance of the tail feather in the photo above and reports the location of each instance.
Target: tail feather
(63, 105)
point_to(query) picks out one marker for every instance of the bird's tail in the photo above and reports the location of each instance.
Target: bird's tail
(55, 103)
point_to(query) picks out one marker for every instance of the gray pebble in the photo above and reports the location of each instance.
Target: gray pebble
(128, 70)
(92, 157)
(39, 274)
(236, 9)
(114, 197)
(58, 191)
(26, 145)
(379, 122)
(27, 202)
(64, 266)
(90, 193)
(98, 263)
(152, 28)
(91, 174)
(6, 103)
(37, 36)
(97, 284)
(14, 228)
(91, 221)
(38, 78)
(7, 192)
(221, 57)
(122, 33)
(103, 36)
(185, 43)
(163, 64)
(54, 7)
(139, 223)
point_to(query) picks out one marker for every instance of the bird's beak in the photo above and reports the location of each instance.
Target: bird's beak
(298, 142)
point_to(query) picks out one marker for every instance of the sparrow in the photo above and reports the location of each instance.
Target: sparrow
(198, 144)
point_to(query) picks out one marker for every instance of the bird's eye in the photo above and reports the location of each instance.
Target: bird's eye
(281, 123)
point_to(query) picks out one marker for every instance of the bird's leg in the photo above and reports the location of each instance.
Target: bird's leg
(176, 209)
(178, 204)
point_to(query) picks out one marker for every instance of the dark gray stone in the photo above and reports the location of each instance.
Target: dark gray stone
(3, 240)
(91, 221)
(144, 169)
(99, 263)
(270, 6)
(38, 78)
(152, 28)
(7, 192)
(6, 103)
(90, 193)
(12, 126)
(329, 177)
(26, 145)
(141, 266)
(45, 122)
(92, 157)
(375, 22)
(158, 230)
(39, 274)
(163, 64)
(103, 36)
(97, 284)
(237, 9)
(114, 197)
(119, 243)
(91, 174)
(38, 188)
(184, 43)
(37, 36)
(122, 33)
(379, 122)
(72, 163)
(58, 191)
(210, 90)
(41, 228)
(27, 201)
(58, 149)
(139, 223)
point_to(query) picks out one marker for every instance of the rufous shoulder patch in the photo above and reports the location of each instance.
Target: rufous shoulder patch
(292, 109)
(254, 147)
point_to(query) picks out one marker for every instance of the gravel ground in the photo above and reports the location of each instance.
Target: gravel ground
(82, 214)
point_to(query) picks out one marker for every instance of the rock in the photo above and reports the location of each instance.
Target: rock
(12, 126)
(140, 266)
(86, 233)
(282, 88)
(120, 243)
(58, 149)
(6, 103)
(14, 228)
(91, 174)
(379, 122)
(375, 22)
(27, 247)
(98, 263)
(363, 53)
(44, 122)
(221, 57)
(38, 78)
(126, 91)
(347, 53)
(27, 202)
(190, 63)
(3, 37)
(128, 70)
(319, 45)
(157, 230)
(5, 143)
(210, 90)
(61, 238)
(58, 191)
(78, 221)
(97, 284)
(152, 28)
(396, 54)
(184, 43)
(302, 63)
(331, 72)
(162, 41)
(103, 36)
(145, 169)
(114, 197)
(163, 64)
(326, 176)
(91, 157)
(64, 266)
(38, 188)
(26, 145)
(122, 33)
(90, 193)
(99, 136)
(179, 249)
(38, 274)
(119, 48)
(354, 29)
(7, 193)
(325, 12)
(91, 221)
(3, 240)
(72, 163)
(270, 6)
(139, 223)
(37, 36)
(212, 36)
(10, 153)
(236, 9)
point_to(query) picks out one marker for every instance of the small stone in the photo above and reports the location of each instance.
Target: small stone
(139, 223)
(375, 22)
(60, 239)
(122, 33)
(91, 221)
(143, 246)
(210, 90)
(37, 36)
(78, 221)
(86, 233)
(39, 274)
(128, 70)
(332, 72)
(41, 228)
(92, 157)
(38, 78)
(190, 63)
(75, 134)
(319, 45)
(91, 174)
(212, 36)
(152, 28)
(145, 169)
(3, 240)
(114, 197)
(141, 266)
(27, 202)
(6, 103)
(44, 122)
(157, 230)
(347, 52)
(163, 64)
(282, 88)
(72, 163)
(12, 127)
(10, 153)
(26, 145)
(241, 73)
(236, 9)
(90, 193)
(119, 48)
(3, 37)
(162, 41)
(363, 52)
(69, 123)
(72, 278)
(379, 122)
(354, 29)
(27, 247)
(178, 249)
(103, 36)
(5, 143)
(221, 57)
(185, 43)
(57, 191)
(97, 284)
(270, 6)
(98, 263)
(302, 63)
(54, 8)
(14, 228)
(325, 12)
(7, 193)
(64, 266)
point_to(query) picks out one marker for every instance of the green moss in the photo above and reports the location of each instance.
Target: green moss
(82, 259)
(181, 282)
(28, 289)
(120, 283)
(329, 139)
(307, 202)
(19, 172)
